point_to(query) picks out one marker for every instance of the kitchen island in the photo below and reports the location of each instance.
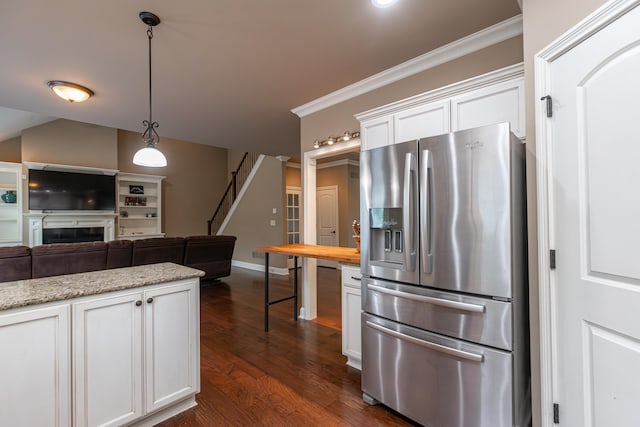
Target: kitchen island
(110, 347)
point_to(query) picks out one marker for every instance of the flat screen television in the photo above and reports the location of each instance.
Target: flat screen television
(55, 190)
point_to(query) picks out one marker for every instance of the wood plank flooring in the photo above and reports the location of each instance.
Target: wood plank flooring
(293, 375)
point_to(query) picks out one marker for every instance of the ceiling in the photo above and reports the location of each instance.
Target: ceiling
(225, 72)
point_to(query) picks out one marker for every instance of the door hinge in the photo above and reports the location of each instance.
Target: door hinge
(556, 413)
(552, 259)
(549, 103)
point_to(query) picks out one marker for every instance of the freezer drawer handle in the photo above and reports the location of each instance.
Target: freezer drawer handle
(464, 306)
(479, 358)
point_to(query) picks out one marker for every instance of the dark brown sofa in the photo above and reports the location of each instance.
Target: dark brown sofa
(15, 263)
(212, 254)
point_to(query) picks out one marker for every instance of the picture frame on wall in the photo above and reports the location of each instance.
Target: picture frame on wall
(136, 189)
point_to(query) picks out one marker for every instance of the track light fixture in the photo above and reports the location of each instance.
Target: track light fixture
(346, 136)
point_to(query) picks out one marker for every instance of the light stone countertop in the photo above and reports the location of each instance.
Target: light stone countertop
(23, 293)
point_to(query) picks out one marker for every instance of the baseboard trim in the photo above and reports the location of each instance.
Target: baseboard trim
(260, 267)
(166, 413)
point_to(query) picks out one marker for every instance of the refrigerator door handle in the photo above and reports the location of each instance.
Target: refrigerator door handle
(425, 213)
(479, 358)
(408, 212)
(463, 306)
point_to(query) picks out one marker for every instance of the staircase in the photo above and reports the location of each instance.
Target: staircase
(238, 179)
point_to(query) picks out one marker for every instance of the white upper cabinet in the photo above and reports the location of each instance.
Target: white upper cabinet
(499, 103)
(419, 122)
(377, 132)
(491, 98)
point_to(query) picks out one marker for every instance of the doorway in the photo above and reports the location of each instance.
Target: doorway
(309, 309)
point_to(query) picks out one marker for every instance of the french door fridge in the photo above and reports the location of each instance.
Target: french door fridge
(445, 296)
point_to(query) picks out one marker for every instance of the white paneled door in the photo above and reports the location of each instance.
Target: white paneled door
(594, 226)
(327, 219)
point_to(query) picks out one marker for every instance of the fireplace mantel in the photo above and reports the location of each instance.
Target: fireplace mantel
(69, 219)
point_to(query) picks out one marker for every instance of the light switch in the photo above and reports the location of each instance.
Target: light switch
(272, 222)
(275, 211)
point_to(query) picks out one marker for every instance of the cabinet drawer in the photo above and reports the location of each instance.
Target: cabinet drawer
(351, 276)
(435, 380)
(476, 319)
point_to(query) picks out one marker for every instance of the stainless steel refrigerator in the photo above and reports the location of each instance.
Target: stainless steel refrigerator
(445, 337)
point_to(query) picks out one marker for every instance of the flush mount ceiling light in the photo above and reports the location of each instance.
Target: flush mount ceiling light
(70, 91)
(150, 156)
(383, 3)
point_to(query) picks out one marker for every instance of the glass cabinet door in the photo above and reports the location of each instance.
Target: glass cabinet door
(10, 204)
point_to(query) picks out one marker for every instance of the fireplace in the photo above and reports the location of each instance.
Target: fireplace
(72, 235)
(72, 226)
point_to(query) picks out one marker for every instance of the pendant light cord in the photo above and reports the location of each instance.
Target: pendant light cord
(150, 135)
(150, 36)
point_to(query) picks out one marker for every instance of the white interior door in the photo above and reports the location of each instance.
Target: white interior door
(327, 219)
(594, 212)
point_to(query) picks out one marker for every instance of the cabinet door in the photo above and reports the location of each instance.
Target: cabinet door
(107, 351)
(172, 339)
(351, 308)
(10, 204)
(499, 103)
(35, 368)
(423, 121)
(377, 133)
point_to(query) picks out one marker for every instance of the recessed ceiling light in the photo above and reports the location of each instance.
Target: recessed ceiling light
(70, 91)
(383, 3)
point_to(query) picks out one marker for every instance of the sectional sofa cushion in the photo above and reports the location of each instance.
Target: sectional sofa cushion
(158, 249)
(211, 254)
(67, 258)
(15, 263)
(119, 253)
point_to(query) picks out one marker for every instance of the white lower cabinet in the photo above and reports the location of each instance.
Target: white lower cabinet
(135, 353)
(107, 360)
(35, 366)
(351, 310)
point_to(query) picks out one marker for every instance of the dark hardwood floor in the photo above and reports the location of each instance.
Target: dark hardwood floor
(293, 375)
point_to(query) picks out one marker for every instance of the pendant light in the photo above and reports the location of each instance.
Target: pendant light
(150, 156)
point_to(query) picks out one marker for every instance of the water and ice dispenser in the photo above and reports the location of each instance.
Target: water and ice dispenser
(386, 237)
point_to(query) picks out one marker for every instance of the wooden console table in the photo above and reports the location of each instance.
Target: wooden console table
(331, 253)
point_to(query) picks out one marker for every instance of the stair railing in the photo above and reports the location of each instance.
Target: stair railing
(238, 178)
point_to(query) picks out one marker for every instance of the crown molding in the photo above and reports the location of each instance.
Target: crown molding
(489, 36)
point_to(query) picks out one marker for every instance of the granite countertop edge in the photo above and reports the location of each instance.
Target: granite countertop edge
(23, 293)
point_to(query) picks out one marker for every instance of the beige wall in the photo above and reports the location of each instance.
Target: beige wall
(250, 222)
(196, 177)
(544, 21)
(294, 176)
(195, 174)
(66, 142)
(11, 150)
(338, 118)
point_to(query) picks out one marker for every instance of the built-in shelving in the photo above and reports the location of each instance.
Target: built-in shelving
(10, 206)
(139, 206)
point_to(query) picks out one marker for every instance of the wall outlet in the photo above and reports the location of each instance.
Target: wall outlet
(272, 223)
(275, 211)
